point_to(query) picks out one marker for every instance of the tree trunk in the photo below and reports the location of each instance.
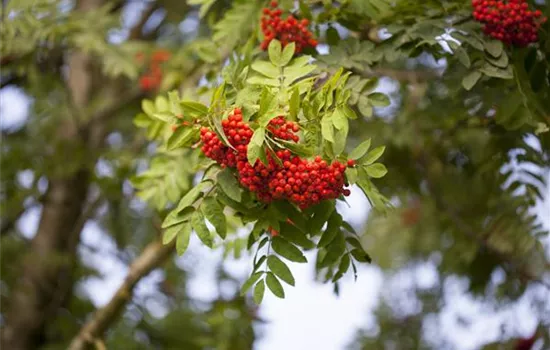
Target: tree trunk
(46, 275)
(44, 280)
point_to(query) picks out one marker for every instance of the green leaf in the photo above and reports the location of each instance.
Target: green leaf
(275, 286)
(299, 62)
(346, 225)
(195, 108)
(170, 233)
(176, 217)
(349, 112)
(266, 68)
(259, 228)
(339, 119)
(340, 138)
(268, 104)
(213, 212)
(142, 120)
(327, 129)
(360, 150)
(322, 212)
(275, 50)
(292, 234)
(342, 267)
(332, 229)
(361, 256)
(471, 79)
(495, 72)
(230, 185)
(166, 117)
(287, 54)
(201, 229)
(335, 250)
(250, 282)
(373, 155)
(365, 107)
(182, 242)
(463, 57)
(182, 137)
(260, 261)
(253, 153)
(289, 211)
(501, 62)
(494, 47)
(190, 198)
(280, 269)
(287, 250)
(161, 104)
(332, 36)
(292, 73)
(294, 103)
(259, 291)
(217, 102)
(297, 148)
(378, 99)
(219, 131)
(258, 137)
(148, 107)
(173, 99)
(351, 175)
(354, 242)
(376, 170)
(259, 80)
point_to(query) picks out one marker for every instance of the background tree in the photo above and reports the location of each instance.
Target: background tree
(466, 141)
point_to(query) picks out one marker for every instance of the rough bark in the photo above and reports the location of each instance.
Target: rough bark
(50, 253)
(152, 256)
(46, 272)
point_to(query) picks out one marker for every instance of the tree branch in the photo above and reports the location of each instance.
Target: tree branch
(152, 256)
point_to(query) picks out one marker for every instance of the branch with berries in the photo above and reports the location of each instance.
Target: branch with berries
(271, 145)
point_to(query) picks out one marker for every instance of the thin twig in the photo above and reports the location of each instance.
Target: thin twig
(152, 256)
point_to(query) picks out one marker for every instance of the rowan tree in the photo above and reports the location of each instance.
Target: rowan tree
(247, 123)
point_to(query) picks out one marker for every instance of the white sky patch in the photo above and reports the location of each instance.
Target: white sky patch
(14, 107)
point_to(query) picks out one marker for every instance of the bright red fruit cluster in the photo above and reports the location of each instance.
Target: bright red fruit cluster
(286, 176)
(285, 30)
(509, 21)
(153, 77)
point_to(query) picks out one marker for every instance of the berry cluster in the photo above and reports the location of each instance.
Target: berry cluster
(153, 77)
(286, 176)
(284, 129)
(285, 30)
(509, 21)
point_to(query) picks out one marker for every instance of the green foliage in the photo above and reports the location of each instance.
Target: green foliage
(288, 86)
(36, 24)
(238, 23)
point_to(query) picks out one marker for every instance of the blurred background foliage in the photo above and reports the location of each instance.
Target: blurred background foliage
(467, 148)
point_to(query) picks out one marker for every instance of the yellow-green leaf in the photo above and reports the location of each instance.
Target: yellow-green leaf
(279, 268)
